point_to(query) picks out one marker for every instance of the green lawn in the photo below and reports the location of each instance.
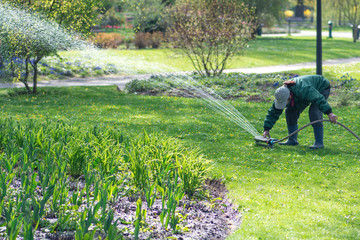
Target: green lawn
(285, 192)
(261, 52)
(334, 73)
(334, 28)
(276, 51)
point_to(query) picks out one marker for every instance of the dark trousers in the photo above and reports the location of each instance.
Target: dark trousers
(292, 115)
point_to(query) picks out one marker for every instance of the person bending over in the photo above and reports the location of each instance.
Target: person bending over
(295, 95)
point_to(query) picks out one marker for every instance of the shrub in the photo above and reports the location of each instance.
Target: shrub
(155, 39)
(210, 32)
(344, 100)
(108, 40)
(142, 40)
(128, 40)
(230, 85)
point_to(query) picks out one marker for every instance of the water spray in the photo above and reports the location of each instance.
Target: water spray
(270, 142)
(215, 102)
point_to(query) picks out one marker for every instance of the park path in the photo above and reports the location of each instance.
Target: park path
(312, 33)
(121, 81)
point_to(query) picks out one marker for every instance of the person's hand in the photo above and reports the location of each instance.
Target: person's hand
(266, 134)
(332, 117)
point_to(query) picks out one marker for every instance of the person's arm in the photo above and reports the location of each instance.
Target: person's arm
(270, 119)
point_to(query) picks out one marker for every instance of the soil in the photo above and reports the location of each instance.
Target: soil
(214, 217)
(254, 99)
(207, 219)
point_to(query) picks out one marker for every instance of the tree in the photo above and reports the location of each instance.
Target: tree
(266, 9)
(77, 15)
(168, 2)
(209, 32)
(26, 37)
(118, 5)
(351, 11)
(112, 18)
(148, 14)
(111, 12)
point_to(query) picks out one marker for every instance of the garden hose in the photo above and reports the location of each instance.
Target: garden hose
(271, 141)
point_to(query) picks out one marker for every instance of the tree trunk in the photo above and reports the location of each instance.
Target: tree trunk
(35, 78)
(339, 17)
(26, 75)
(34, 65)
(12, 67)
(1, 62)
(355, 33)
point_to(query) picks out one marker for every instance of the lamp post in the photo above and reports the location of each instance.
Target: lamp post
(330, 29)
(318, 39)
(289, 14)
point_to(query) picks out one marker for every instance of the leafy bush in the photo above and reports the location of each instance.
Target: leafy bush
(346, 80)
(226, 85)
(142, 40)
(128, 40)
(347, 90)
(154, 84)
(55, 68)
(108, 40)
(155, 39)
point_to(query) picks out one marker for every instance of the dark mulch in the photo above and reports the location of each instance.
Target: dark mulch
(214, 217)
(209, 219)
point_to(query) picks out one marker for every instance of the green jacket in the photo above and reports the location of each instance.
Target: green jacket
(306, 91)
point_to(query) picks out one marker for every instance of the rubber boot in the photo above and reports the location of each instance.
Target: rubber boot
(292, 141)
(319, 138)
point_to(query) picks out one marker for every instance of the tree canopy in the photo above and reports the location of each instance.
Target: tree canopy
(148, 14)
(77, 15)
(351, 11)
(26, 37)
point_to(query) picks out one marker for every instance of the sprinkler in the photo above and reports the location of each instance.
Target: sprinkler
(270, 142)
(265, 142)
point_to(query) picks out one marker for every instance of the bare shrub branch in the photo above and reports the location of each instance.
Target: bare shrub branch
(209, 32)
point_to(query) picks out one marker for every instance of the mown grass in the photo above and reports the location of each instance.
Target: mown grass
(285, 192)
(334, 28)
(290, 50)
(261, 52)
(334, 72)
